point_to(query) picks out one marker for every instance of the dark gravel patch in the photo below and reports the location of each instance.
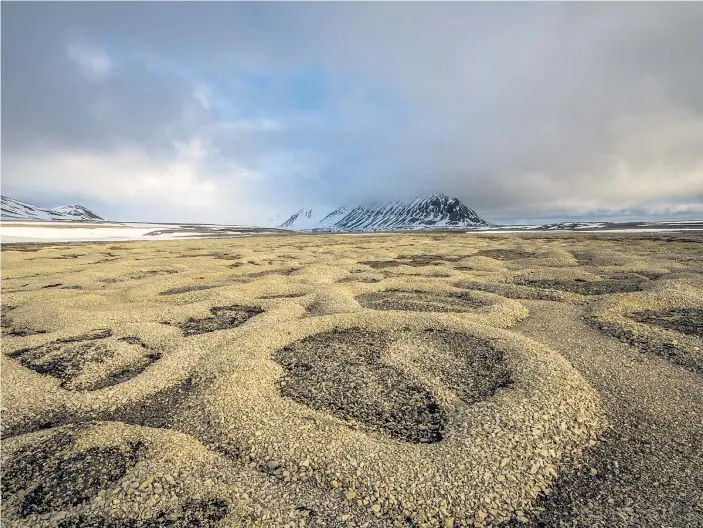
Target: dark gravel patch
(151, 273)
(582, 287)
(21, 248)
(382, 264)
(341, 372)
(412, 260)
(53, 478)
(223, 317)
(672, 352)
(126, 373)
(284, 296)
(218, 256)
(158, 410)
(419, 301)
(64, 359)
(427, 260)
(365, 280)
(186, 289)
(258, 274)
(195, 513)
(688, 321)
(506, 254)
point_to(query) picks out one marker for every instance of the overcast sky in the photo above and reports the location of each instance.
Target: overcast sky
(231, 112)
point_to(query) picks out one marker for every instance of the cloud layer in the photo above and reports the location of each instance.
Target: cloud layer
(229, 112)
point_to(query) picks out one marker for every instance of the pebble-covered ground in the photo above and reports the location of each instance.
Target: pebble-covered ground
(420, 380)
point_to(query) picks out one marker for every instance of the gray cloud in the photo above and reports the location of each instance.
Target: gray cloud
(519, 109)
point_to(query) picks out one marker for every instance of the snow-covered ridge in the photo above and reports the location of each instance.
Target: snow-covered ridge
(12, 209)
(429, 211)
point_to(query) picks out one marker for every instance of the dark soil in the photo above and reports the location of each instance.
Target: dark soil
(427, 260)
(419, 301)
(223, 317)
(341, 372)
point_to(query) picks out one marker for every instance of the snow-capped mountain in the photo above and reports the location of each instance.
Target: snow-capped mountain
(12, 209)
(434, 210)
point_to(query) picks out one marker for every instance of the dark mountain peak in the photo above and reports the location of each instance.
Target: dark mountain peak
(425, 211)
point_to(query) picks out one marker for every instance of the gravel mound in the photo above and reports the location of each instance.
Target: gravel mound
(9, 328)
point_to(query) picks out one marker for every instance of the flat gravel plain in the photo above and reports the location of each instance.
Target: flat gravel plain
(420, 380)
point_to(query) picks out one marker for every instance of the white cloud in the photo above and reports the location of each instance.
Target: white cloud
(131, 179)
(93, 63)
(203, 95)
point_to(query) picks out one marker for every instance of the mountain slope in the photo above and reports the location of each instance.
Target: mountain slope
(11, 209)
(434, 210)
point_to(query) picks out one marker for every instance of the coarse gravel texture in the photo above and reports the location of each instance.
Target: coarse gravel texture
(664, 320)
(353, 380)
(647, 470)
(420, 301)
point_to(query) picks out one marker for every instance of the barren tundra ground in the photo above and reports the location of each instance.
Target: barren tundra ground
(338, 380)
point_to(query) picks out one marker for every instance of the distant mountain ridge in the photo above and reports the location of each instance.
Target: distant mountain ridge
(427, 211)
(11, 209)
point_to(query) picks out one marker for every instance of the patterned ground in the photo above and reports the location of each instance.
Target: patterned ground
(418, 380)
